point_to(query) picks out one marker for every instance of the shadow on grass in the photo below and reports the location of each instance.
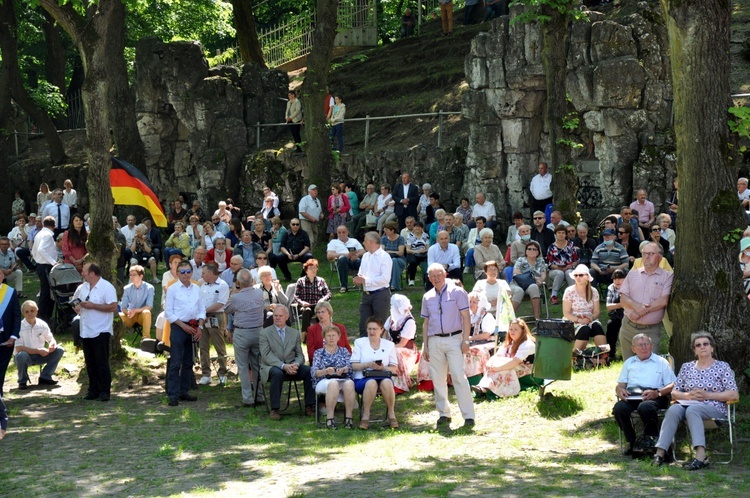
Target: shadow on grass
(558, 406)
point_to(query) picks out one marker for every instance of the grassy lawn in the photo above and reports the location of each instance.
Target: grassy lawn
(564, 444)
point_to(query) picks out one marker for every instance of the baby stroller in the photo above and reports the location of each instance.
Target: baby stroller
(64, 279)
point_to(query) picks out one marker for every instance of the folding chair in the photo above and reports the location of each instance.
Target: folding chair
(137, 332)
(293, 305)
(290, 383)
(719, 423)
(545, 298)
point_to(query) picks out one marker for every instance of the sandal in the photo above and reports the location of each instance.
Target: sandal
(393, 422)
(331, 424)
(364, 424)
(657, 461)
(348, 423)
(696, 464)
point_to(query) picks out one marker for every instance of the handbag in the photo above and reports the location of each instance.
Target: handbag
(376, 374)
(524, 280)
(371, 219)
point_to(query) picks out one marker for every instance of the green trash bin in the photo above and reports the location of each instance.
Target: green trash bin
(554, 349)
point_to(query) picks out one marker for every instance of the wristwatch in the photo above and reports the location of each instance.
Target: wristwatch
(466, 342)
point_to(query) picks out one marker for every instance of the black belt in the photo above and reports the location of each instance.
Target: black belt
(449, 334)
(376, 290)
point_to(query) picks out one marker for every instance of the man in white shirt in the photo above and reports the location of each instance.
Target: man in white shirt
(96, 307)
(215, 294)
(347, 253)
(31, 350)
(555, 218)
(186, 313)
(59, 211)
(44, 252)
(267, 192)
(129, 230)
(743, 193)
(541, 189)
(485, 208)
(198, 261)
(447, 255)
(310, 214)
(375, 275)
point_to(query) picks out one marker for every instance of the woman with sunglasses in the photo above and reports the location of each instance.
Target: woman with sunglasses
(531, 263)
(655, 235)
(702, 390)
(581, 306)
(625, 239)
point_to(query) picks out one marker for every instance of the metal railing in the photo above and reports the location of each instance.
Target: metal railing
(368, 119)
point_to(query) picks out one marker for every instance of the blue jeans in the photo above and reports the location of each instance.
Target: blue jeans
(344, 264)
(338, 131)
(24, 360)
(180, 363)
(169, 251)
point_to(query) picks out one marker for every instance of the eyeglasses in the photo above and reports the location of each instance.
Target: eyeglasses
(261, 257)
(648, 254)
(538, 217)
(702, 344)
(579, 275)
(294, 224)
(656, 229)
(621, 233)
(186, 272)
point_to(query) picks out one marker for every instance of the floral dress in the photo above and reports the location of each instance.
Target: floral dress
(338, 217)
(408, 356)
(504, 383)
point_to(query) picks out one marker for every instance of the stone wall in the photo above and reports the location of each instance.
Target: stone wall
(619, 83)
(196, 122)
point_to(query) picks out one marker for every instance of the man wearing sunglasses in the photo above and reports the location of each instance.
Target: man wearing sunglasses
(186, 313)
(96, 307)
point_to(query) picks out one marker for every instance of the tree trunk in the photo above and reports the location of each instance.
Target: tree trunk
(555, 40)
(12, 78)
(247, 35)
(54, 63)
(707, 292)
(97, 39)
(317, 134)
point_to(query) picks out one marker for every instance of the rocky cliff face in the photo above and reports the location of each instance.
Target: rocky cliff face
(619, 84)
(194, 120)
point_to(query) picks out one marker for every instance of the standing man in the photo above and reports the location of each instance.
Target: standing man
(186, 313)
(368, 203)
(215, 294)
(541, 189)
(293, 118)
(644, 296)
(138, 301)
(645, 209)
(311, 214)
(10, 312)
(445, 310)
(654, 378)
(59, 211)
(485, 208)
(347, 253)
(282, 359)
(98, 303)
(295, 246)
(375, 275)
(44, 252)
(406, 197)
(246, 306)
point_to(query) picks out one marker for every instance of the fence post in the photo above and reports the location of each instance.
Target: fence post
(257, 135)
(15, 137)
(440, 128)
(367, 130)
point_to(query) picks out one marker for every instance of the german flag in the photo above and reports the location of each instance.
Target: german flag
(130, 187)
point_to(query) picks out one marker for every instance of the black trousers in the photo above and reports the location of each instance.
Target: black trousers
(295, 129)
(180, 368)
(96, 356)
(613, 333)
(282, 261)
(277, 377)
(6, 353)
(46, 303)
(539, 205)
(648, 411)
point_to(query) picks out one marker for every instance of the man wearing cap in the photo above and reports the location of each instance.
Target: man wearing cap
(311, 213)
(644, 296)
(608, 257)
(375, 275)
(541, 191)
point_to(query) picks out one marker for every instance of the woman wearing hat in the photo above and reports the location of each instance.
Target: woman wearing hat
(581, 306)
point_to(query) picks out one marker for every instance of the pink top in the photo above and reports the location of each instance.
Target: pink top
(72, 252)
(645, 210)
(579, 306)
(344, 205)
(645, 288)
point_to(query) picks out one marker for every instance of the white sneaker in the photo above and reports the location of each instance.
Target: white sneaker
(466, 269)
(222, 379)
(411, 283)
(205, 381)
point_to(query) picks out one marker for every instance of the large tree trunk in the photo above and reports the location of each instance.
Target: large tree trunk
(247, 35)
(555, 40)
(54, 63)
(707, 292)
(98, 37)
(12, 78)
(317, 135)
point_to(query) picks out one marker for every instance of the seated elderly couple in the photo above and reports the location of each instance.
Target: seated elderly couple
(334, 371)
(701, 391)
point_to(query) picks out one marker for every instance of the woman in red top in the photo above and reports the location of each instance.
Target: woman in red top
(74, 242)
(338, 210)
(324, 313)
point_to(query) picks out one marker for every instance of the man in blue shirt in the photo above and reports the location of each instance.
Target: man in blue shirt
(137, 301)
(447, 255)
